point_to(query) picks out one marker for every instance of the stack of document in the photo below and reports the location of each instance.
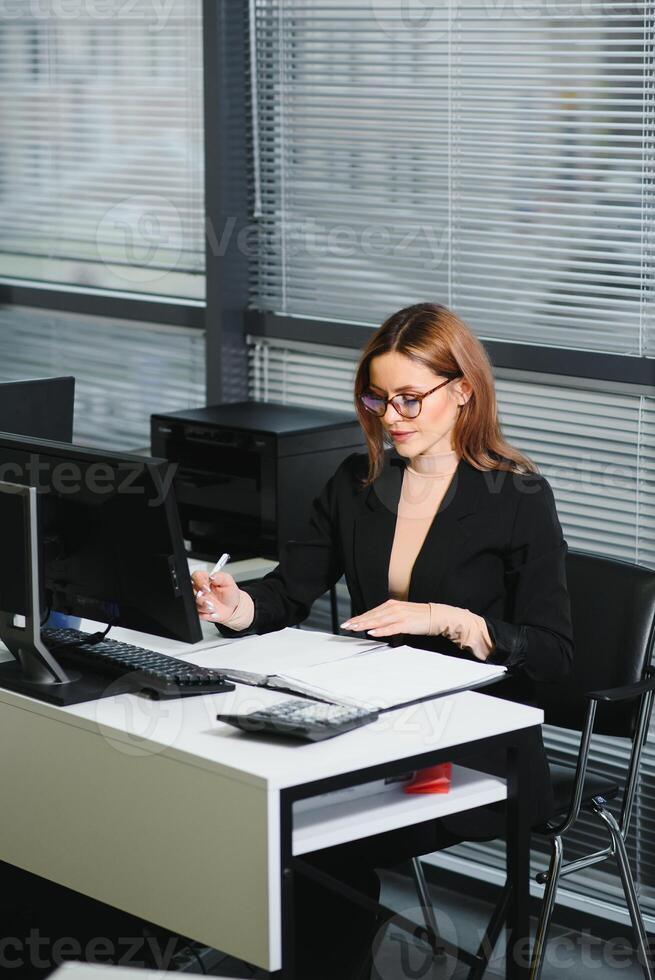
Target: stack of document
(347, 670)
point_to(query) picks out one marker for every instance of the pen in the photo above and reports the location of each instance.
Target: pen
(223, 560)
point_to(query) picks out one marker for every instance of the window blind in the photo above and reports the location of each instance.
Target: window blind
(124, 370)
(496, 157)
(595, 447)
(101, 159)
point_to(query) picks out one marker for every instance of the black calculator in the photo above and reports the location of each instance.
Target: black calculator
(299, 718)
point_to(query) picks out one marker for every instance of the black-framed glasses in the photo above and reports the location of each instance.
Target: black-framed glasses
(409, 406)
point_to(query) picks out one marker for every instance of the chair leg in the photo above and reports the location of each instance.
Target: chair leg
(427, 906)
(547, 905)
(628, 887)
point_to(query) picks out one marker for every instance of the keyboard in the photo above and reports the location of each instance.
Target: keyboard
(155, 675)
(299, 718)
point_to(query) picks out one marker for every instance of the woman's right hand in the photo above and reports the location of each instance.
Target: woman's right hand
(216, 597)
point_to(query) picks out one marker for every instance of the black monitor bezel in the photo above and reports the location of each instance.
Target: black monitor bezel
(157, 467)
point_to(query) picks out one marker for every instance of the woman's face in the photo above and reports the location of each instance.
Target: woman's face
(431, 431)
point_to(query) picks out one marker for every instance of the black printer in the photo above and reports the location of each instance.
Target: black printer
(247, 472)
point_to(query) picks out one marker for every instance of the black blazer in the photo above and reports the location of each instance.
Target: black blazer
(495, 547)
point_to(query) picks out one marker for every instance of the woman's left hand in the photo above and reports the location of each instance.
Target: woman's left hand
(392, 617)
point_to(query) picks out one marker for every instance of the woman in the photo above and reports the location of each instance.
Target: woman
(449, 541)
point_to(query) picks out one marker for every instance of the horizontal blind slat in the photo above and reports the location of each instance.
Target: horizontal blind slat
(101, 161)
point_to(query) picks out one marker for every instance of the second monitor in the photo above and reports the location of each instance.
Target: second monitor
(41, 408)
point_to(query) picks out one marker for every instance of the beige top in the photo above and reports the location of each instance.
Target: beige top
(425, 481)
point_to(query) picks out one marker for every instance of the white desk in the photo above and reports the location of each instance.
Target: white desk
(158, 809)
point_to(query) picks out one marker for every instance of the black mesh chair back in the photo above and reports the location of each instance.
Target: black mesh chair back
(613, 612)
(610, 693)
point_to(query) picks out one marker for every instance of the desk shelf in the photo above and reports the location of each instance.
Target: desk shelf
(338, 820)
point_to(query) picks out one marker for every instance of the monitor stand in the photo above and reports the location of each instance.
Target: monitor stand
(35, 671)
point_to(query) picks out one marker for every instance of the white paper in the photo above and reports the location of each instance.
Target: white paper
(390, 676)
(285, 651)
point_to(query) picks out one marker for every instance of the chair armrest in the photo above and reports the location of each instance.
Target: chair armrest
(624, 693)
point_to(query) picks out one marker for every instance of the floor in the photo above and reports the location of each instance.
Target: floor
(569, 954)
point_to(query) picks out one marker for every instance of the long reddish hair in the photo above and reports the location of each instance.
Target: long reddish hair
(435, 336)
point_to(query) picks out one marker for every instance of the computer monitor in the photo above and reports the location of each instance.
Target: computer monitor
(41, 408)
(34, 668)
(110, 539)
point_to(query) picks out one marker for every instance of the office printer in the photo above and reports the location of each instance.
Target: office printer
(247, 472)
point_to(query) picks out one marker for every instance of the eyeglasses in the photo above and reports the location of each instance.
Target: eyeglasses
(409, 406)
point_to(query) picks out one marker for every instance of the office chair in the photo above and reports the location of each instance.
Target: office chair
(611, 693)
